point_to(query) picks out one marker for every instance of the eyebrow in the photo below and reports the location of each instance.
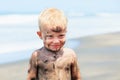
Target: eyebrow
(57, 29)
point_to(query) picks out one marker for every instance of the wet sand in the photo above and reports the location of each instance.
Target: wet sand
(98, 57)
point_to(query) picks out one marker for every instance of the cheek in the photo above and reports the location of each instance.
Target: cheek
(63, 41)
(44, 41)
(47, 42)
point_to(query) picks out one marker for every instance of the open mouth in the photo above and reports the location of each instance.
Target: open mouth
(55, 46)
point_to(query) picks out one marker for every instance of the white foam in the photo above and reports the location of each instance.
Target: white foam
(76, 14)
(108, 14)
(17, 19)
(13, 47)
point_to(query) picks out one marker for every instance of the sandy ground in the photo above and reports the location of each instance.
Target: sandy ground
(98, 57)
(14, 71)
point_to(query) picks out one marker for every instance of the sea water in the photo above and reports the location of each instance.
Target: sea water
(18, 38)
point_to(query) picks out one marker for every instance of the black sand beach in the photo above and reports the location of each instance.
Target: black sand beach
(98, 56)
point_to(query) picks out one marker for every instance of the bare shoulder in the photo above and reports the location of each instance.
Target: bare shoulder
(35, 53)
(69, 51)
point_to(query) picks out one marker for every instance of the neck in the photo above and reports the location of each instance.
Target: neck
(57, 53)
(54, 52)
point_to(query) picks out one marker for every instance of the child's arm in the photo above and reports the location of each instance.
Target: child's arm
(75, 73)
(32, 71)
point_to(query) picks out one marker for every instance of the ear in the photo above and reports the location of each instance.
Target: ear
(39, 34)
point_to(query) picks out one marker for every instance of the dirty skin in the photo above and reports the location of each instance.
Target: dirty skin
(51, 65)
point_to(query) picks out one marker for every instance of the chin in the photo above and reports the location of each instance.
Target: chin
(55, 50)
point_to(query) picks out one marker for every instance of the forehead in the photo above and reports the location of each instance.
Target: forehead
(53, 33)
(56, 29)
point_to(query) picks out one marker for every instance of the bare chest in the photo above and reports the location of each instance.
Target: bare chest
(52, 63)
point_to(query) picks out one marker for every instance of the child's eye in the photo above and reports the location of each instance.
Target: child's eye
(49, 36)
(62, 36)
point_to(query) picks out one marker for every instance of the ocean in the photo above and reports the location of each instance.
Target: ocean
(19, 39)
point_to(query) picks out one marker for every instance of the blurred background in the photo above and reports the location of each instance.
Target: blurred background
(93, 32)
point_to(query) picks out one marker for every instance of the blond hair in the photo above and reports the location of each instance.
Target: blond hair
(52, 18)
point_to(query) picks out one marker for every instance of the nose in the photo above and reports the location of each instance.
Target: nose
(56, 40)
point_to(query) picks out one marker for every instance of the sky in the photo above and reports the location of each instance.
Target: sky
(35, 6)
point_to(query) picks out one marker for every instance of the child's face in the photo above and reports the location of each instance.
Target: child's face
(53, 41)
